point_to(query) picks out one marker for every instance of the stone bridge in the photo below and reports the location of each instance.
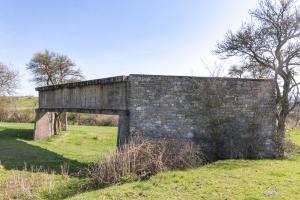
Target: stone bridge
(226, 117)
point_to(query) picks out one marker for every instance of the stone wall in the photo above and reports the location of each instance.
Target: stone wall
(228, 118)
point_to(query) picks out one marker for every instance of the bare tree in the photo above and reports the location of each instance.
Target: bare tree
(236, 71)
(49, 68)
(246, 71)
(8, 80)
(270, 42)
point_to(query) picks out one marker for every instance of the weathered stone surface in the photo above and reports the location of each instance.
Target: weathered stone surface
(99, 96)
(43, 128)
(228, 118)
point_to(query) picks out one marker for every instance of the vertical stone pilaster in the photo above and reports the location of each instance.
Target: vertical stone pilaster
(123, 129)
(44, 126)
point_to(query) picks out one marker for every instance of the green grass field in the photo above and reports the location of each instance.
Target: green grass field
(26, 102)
(227, 179)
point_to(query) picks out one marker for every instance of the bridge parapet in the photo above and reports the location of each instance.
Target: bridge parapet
(107, 96)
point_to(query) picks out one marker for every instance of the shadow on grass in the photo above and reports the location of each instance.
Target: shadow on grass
(15, 153)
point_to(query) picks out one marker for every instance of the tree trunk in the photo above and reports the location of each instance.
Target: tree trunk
(280, 135)
(284, 111)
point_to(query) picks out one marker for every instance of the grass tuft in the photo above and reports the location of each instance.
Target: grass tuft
(26, 185)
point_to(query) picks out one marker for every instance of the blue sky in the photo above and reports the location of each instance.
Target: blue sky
(118, 37)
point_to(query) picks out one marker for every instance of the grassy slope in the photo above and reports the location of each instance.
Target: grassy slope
(221, 180)
(20, 102)
(26, 102)
(228, 179)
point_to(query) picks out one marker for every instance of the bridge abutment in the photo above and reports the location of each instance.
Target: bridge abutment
(44, 125)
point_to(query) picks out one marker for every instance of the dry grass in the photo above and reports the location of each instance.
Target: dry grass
(28, 184)
(142, 158)
(23, 185)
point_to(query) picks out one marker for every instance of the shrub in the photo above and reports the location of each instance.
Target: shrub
(4, 115)
(290, 147)
(22, 116)
(142, 158)
(14, 115)
(108, 121)
(92, 119)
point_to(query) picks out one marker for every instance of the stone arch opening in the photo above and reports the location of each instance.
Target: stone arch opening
(45, 125)
(101, 96)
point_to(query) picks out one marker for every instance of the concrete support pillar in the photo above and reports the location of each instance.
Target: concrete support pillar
(44, 125)
(62, 124)
(123, 129)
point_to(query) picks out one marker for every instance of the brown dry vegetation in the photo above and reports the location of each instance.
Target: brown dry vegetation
(26, 185)
(142, 158)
